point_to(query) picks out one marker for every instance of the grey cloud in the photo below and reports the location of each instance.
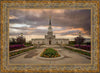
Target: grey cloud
(70, 18)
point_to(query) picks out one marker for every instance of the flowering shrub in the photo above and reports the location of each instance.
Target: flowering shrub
(50, 53)
(79, 51)
(14, 47)
(21, 51)
(85, 47)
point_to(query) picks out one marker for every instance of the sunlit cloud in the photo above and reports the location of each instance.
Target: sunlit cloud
(15, 31)
(19, 25)
(46, 27)
(65, 22)
(13, 17)
(42, 27)
(69, 30)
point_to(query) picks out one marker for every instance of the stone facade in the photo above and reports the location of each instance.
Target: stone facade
(50, 38)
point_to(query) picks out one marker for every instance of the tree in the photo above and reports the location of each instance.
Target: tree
(79, 40)
(21, 39)
(88, 43)
(71, 42)
(13, 41)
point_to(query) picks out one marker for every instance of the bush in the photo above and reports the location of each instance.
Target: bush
(79, 51)
(79, 40)
(71, 42)
(88, 43)
(85, 47)
(14, 47)
(50, 53)
(21, 51)
(28, 44)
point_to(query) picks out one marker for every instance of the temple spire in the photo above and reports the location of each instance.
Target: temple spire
(50, 27)
(49, 20)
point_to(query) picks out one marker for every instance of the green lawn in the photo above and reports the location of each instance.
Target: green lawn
(79, 51)
(72, 44)
(21, 51)
(27, 44)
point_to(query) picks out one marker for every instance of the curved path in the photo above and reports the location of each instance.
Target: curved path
(69, 58)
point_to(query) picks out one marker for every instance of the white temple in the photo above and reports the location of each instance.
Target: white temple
(50, 38)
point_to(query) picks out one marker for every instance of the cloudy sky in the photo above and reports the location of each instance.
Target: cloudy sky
(65, 22)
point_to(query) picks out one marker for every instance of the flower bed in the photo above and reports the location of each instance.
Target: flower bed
(14, 47)
(85, 47)
(50, 53)
(79, 51)
(21, 51)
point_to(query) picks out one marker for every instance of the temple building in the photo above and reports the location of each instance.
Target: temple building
(50, 38)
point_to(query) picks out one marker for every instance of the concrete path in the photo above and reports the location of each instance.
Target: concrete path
(69, 58)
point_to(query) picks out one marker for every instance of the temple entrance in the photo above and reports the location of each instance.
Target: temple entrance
(49, 42)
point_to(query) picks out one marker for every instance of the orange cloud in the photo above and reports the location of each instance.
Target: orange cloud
(13, 17)
(46, 27)
(30, 28)
(72, 29)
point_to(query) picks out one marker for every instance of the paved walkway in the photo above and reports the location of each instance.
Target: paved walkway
(69, 58)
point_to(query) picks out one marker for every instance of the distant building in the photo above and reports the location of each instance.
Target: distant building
(50, 38)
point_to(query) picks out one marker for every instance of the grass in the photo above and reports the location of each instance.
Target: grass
(49, 53)
(21, 51)
(72, 44)
(27, 44)
(79, 51)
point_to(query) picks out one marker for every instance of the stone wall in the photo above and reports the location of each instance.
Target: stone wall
(47, 41)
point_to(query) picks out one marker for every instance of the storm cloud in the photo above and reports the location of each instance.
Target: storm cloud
(64, 21)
